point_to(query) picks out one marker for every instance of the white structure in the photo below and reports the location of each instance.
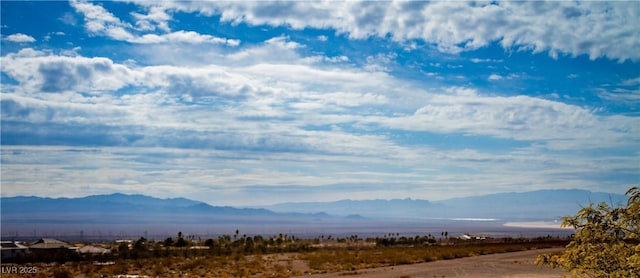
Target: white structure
(93, 250)
(12, 249)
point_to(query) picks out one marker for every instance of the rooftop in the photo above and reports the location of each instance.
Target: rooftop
(11, 245)
(49, 243)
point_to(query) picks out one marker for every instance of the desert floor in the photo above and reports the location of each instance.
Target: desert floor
(514, 264)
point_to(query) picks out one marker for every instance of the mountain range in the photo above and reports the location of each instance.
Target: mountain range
(533, 205)
(133, 214)
(542, 204)
(122, 209)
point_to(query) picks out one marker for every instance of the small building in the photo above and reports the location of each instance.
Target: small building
(12, 249)
(50, 243)
(93, 250)
(48, 249)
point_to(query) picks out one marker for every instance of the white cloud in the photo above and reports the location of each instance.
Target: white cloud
(99, 21)
(520, 118)
(181, 36)
(337, 59)
(628, 97)
(573, 28)
(76, 84)
(478, 60)
(157, 18)
(70, 52)
(274, 50)
(38, 72)
(380, 62)
(631, 82)
(69, 19)
(625, 93)
(20, 38)
(495, 77)
(47, 37)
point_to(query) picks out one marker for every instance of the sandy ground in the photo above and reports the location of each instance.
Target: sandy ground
(515, 264)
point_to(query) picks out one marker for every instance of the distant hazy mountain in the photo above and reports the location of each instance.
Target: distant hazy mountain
(535, 205)
(542, 204)
(123, 209)
(120, 215)
(97, 203)
(406, 208)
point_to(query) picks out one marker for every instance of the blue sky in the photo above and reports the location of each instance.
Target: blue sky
(250, 103)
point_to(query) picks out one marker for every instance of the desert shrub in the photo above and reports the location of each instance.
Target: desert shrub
(606, 243)
(61, 273)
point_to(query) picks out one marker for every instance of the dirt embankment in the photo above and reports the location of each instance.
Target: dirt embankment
(515, 264)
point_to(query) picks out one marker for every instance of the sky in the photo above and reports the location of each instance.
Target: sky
(254, 103)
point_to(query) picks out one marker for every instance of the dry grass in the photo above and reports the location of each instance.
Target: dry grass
(326, 261)
(330, 258)
(213, 266)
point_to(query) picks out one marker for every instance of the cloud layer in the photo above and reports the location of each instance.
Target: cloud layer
(597, 29)
(99, 21)
(330, 114)
(323, 100)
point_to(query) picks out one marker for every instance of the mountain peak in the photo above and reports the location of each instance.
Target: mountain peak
(539, 204)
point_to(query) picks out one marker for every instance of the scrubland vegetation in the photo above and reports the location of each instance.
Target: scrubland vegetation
(275, 256)
(606, 243)
(351, 259)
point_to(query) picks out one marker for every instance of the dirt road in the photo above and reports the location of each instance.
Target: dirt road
(515, 264)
